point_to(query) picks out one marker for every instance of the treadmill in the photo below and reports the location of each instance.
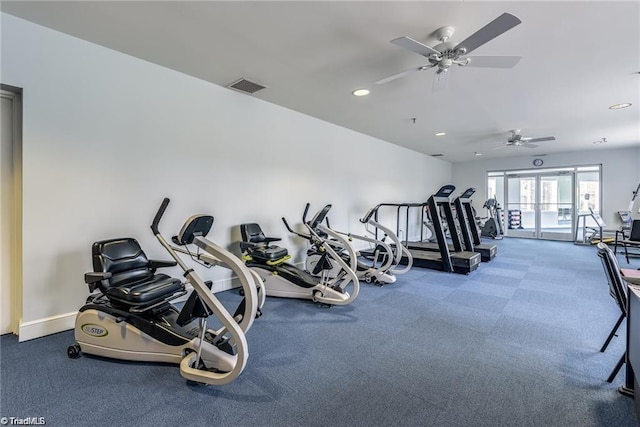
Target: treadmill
(469, 227)
(452, 256)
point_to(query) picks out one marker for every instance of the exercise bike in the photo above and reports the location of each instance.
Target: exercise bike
(492, 226)
(282, 279)
(384, 257)
(131, 317)
(398, 250)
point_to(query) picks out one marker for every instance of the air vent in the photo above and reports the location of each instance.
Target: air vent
(436, 155)
(246, 86)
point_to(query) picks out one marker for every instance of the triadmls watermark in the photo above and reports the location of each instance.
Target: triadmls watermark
(23, 421)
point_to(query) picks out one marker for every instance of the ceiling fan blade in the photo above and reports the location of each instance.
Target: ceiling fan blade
(402, 74)
(493, 29)
(493, 61)
(546, 138)
(415, 46)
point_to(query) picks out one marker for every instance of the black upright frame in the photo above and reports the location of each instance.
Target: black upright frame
(469, 228)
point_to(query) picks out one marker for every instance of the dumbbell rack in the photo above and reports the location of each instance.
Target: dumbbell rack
(515, 219)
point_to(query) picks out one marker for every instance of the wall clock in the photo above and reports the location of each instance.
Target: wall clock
(537, 162)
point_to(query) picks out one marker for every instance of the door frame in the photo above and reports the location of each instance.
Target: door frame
(550, 235)
(15, 251)
(514, 232)
(538, 173)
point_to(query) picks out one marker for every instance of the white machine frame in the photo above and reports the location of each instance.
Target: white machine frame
(200, 360)
(380, 273)
(328, 290)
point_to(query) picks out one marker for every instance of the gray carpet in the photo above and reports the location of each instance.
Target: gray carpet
(514, 343)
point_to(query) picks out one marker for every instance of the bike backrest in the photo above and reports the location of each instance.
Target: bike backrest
(252, 233)
(123, 258)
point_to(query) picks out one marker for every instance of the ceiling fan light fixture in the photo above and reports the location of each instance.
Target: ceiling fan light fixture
(360, 92)
(620, 106)
(448, 53)
(440, 134)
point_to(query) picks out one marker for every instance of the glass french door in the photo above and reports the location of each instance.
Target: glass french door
(540, 205)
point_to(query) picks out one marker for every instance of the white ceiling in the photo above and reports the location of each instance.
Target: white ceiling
(578, 59)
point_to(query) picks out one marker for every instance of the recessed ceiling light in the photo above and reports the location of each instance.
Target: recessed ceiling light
(440, 134)
(477, 153)
(360, 92)
(619, 106)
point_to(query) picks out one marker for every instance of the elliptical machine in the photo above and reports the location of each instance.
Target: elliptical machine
(131, 318)
(282, 279)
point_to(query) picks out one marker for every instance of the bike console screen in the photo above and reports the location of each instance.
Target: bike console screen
(319, 217)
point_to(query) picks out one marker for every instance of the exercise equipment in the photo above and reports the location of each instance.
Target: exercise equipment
(208, 260)
(633, 241)
(425, 254)
(282, 279)
(428, 234)
(382, 259)
(460, 260)
(492, 225)
(633, 208)
(627, 216)
(131, 317)
(587, 234)
(398, 251)
(469, 227)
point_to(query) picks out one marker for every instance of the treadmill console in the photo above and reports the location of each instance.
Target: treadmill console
(468, 193)
(445, 191)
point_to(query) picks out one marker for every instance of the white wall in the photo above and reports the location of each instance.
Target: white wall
(620, 175)
(108, 136)
(638, 167)
(636, 214)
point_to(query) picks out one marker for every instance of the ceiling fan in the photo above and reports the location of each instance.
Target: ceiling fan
(517, 140)
(448, 53)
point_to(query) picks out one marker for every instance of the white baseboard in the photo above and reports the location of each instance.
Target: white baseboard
(47, 326)
(63, 322)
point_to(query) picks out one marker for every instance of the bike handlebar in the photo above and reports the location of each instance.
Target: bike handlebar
(368, 215)
(156, 219)
(286, 224)
(304, 215)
